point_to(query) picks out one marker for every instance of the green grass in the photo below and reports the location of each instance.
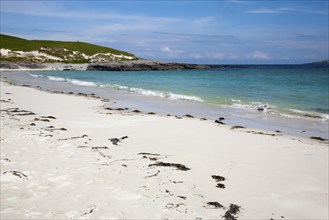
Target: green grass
(19, 44)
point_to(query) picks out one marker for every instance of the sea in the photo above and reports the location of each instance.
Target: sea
(257, 94)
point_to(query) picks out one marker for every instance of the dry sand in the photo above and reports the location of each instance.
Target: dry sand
(67, 166)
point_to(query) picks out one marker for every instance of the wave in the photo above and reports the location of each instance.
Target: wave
(146, 92)
(233, 103)
(35, 75)
(81, 83)
(271, 109)
(309, 114)
(59, 79)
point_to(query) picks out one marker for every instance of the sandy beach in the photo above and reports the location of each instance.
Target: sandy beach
(68, 157)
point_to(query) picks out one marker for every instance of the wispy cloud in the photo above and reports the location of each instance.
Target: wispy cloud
(302, 35)
(55, 9)
(285, 10)
(50, 31)
(199, 38)
(258, 55)
(238, 1)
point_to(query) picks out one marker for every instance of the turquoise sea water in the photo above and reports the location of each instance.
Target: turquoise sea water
(291, 90)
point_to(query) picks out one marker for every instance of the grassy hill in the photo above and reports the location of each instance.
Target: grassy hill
(67, 51)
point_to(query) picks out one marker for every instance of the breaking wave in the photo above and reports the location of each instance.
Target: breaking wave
(146, 92)
(271, 109)
(59, 79)
(233, 103)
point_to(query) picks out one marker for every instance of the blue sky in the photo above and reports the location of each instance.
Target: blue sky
(222, 31)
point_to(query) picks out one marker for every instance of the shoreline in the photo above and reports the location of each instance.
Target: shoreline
(71, 158)
(135, 65)
(302, 127)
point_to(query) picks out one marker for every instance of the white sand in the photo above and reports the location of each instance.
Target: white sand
(44, 176)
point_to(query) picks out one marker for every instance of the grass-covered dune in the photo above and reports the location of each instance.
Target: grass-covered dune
(66, 50)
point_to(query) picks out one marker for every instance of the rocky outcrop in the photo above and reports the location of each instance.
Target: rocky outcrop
(145, 65)
(137, 65)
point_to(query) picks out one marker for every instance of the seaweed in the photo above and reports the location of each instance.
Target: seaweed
(318, 138)
(237, 127)
(72, 138)
(17, 173)
(233, 210)
(149, 154)
(98, 148)
(49, 117)
(174, 165)
(220, 185)
(115, 141)
(215, 205)
(218, 178)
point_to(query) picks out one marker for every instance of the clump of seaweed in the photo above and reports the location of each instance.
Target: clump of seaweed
(174, 165)
(218, 178)
(115, 141)
(231, 213)
(215, 205)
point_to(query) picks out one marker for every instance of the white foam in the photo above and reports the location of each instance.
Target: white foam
(146, 92)
(115, 86)
(323, 117)
(35, 75)
(171, 96)
(80, 83)
(174, 96)
(59, 79)
(56, 78)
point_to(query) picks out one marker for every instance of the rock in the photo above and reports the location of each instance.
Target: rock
(262, 108)
(143, 65)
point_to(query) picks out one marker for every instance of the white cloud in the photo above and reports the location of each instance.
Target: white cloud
(285, 58)
(285, 9)
(263, 11)
(219, 56)
(258, 55)
(170, 52)
(196, 56)
(203, 20)
(223, 56)
(166, 50)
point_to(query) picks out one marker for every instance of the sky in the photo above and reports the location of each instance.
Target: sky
(194, 31)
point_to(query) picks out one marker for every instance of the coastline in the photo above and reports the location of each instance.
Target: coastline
(135, 65)
(118, 99)
(59, 160)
